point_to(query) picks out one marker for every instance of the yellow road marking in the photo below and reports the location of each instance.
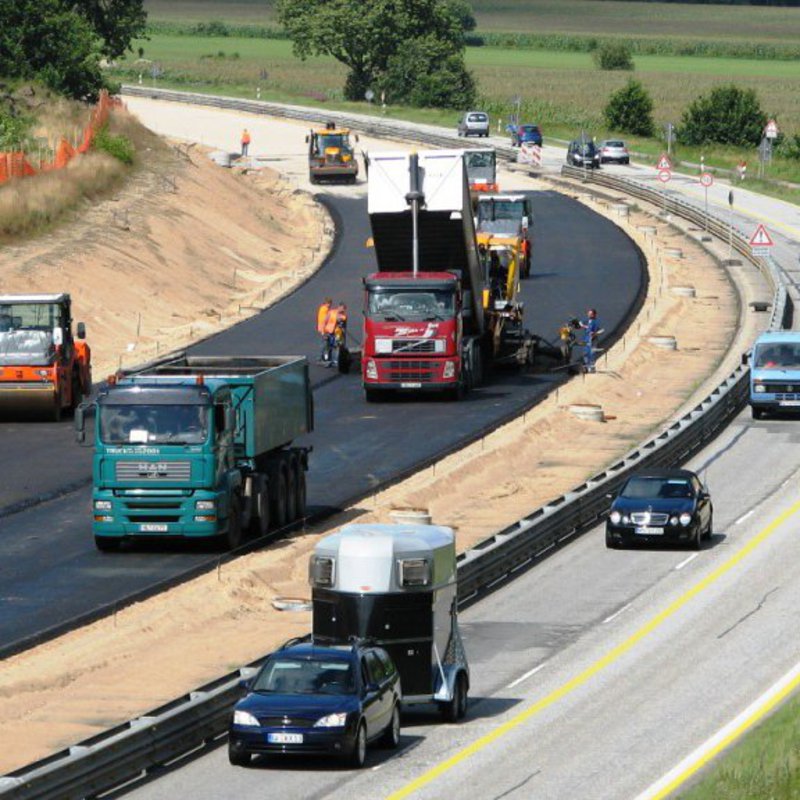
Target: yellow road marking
(607, 660)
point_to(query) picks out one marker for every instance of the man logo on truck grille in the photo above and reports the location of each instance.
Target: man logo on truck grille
(153, 469)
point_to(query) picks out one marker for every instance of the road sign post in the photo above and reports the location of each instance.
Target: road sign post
(730, 225)
(664, 176)
(706, 179)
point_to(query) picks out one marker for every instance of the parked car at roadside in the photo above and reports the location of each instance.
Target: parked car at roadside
(669, 506)
(474, 123)
(314, 698)
(525, 133)
(614, 150)
(583, 154)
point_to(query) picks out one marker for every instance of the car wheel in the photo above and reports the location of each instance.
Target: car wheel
(391, 736)
(710, 527)
(611, 542)
(697, 540)
(456, 708)
(237, 757)
(359, 754)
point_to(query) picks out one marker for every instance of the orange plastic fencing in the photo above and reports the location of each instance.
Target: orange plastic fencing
(16, 165)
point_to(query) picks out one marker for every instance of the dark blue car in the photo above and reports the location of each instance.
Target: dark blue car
(662, 506)
(525, 133)
(318, 699)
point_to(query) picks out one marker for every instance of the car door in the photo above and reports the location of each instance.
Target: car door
(381, 706)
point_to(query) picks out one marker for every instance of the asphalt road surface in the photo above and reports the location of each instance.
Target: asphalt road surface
(596, 672)
(50, 572)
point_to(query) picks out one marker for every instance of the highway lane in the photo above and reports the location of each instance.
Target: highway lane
(53, 573)
(597, 671)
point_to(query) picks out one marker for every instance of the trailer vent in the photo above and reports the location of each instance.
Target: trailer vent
(321, 571)
(414, 572)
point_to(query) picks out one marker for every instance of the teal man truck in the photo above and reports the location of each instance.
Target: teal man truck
(775, 373)
(200, 447)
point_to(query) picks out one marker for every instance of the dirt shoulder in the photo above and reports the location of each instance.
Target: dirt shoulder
(145, 655)
(184, 249)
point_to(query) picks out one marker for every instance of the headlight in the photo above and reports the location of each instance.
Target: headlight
(43, 373)
(673, 521)
(245, 718)
(372, 370)
(615, 517)
(449, 369)
(204, 505)
(759, 387)
(626, 520)
(439, 346)
(383, 345)
(332, 721)
(685, 519)
(102, 505)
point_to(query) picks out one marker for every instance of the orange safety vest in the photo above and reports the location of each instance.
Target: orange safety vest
(322, 316)
(246, 137)
(330, 321)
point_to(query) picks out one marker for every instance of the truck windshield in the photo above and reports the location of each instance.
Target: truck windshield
(156, 424)
(777, 356)
(26, 332)
(430, 304)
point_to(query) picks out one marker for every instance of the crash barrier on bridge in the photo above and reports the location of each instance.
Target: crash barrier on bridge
(18, 165)
(128, 751)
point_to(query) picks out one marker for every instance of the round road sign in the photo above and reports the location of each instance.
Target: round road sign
(664, 175)
(707, 179)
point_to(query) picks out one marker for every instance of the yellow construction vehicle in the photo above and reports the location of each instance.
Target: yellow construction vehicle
(331, 154)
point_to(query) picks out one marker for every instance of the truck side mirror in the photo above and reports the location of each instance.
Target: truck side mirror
(58, 336)
(83, 411)
(80, 331)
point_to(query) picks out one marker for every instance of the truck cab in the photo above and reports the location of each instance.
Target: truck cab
(775, 373)
(44, 367)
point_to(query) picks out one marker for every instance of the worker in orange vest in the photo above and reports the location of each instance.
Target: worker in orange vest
(322, 316)
(245, 141)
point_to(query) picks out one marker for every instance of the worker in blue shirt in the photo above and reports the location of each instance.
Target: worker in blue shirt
(591, 330)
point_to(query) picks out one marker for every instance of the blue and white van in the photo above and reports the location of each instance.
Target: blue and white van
(775, 373)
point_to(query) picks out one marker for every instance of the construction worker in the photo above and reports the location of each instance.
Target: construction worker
(340, 334)
(591, 328)
(245, 141)
(329, 329)
(322, 316)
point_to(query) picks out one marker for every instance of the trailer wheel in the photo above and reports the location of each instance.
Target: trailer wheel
(278, 497)
(234, 536)
(456, 709)
(291, 489)
(300, 490)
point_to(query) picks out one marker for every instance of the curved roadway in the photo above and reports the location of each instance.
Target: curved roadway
(50, 573)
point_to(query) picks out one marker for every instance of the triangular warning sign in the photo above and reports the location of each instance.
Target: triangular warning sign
(761, 238)
(664, 162)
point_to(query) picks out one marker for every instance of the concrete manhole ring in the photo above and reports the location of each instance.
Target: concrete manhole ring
(291, 604)
(664, 342)
(587, 411)
(684, 291)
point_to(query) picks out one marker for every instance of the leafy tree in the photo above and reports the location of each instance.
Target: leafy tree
(613, 55)
(729, 115)
(116, 22)
(630, 109)
(366, 36)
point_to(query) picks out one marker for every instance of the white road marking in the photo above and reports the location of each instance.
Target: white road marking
(686, 561)
(617, 613)
(724, 737)
(525, 676)
(745, 516)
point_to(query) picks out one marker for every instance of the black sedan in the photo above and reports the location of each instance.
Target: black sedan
(661, 507)
(308, 698)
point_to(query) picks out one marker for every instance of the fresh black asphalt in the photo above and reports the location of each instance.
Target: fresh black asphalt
(50, 572)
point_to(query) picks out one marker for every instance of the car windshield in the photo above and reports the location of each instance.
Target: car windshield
(777, 356)
(652, 488)
(431, 304)
(26, 332)
(283, 675)
(154, 424)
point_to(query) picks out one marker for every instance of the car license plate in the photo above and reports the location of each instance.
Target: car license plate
(648, 530)
(789, 403)
(410, 385)
(153, 527)
(285, 738)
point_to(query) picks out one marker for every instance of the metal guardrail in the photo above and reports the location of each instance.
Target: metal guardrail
(120, 755)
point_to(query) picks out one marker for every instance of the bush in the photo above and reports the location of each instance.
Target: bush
(729, 115)
(116, 145)
(630, 110)
(613, 55)
(789, 147)
(13, 130)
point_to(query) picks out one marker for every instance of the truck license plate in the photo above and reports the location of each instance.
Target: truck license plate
(153, 527)
(285, 738)
(649, 531)
(410, 385)
(789, 403)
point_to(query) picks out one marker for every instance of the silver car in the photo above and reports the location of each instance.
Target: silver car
(474, 123)
(614, 150)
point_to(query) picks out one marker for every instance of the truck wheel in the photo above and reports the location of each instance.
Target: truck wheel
(278, 497)
(758, 413)
(56, 412)
(291, 489)
(234, 538)
(373, 395)
(300, 491)
(107, 544)
(76, 391)
(259, 523)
